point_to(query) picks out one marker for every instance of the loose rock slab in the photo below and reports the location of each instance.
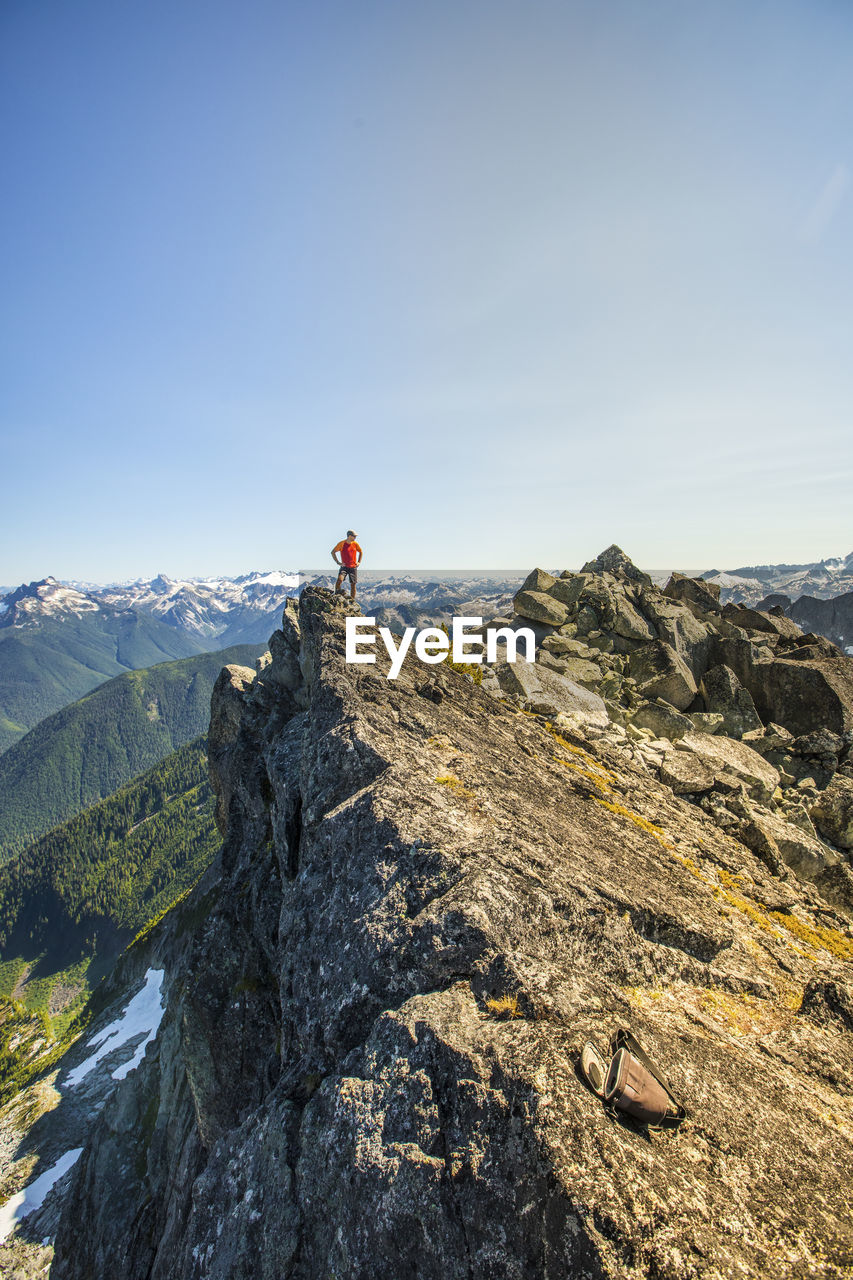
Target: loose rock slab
(723, 755)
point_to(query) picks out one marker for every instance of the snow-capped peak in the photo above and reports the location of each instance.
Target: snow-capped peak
(33, 601)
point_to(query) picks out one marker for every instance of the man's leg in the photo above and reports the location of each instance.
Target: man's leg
(352, 586)
(338, 591)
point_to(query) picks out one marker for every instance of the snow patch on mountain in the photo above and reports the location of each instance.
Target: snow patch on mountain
(141, 1017)
(33, 1196)
(730, 580)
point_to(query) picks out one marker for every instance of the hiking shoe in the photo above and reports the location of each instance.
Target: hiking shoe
(594, 1069)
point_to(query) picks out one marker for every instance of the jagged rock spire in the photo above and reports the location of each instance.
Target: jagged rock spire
(614, 560)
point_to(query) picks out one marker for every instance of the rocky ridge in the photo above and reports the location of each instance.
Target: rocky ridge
(427, 899)
(732, 707)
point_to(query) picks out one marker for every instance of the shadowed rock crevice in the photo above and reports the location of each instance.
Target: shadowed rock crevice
(671, 932)
(292, 838)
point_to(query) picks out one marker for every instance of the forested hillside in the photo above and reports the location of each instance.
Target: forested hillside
(44, 667)
(71, 901)
(26, 1047)
(88, 750)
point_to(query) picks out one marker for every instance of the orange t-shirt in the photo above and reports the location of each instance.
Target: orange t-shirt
(350, 551)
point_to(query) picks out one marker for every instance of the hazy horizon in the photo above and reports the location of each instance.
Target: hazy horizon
(368, 574)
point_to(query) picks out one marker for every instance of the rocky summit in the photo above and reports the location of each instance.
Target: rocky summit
(432, 892)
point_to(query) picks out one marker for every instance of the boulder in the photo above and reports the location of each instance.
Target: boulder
(756, 620)
(550, 693)
(490, 683)
(773, 737)
(686, 774)
(583, 672)
(802, 695)
(691, 638)
(603, 644)
(803, 853)
(756, 836)
(662, 719)
(568, 588)
(613, 560)
(798, 815)
(813, 646)
(587, 621)
(566, 646)
(538, 580)
(704, 596)
(628, 622)
(734, 649)
(706, 721)
(661, 673)
(723, 627)
(832, 812)
(722, 692)
(723, 755)
(819, 745)
(540, 607)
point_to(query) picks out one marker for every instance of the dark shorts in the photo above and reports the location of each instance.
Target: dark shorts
(351, 571)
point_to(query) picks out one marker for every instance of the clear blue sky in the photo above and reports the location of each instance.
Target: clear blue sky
(494, 283)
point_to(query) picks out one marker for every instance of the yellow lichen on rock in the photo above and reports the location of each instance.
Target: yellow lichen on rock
(505, 1007)
(454, 785)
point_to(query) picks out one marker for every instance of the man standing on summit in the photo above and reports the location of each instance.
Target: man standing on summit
(349, 562)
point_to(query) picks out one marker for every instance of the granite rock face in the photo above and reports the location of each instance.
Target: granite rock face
(426, 902)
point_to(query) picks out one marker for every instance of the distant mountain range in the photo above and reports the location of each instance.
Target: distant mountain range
(58, 640)
(230, 611)
(245, 609)
(750, 584)
(54, 650)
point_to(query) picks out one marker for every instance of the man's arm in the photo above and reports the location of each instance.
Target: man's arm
(335, 551)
